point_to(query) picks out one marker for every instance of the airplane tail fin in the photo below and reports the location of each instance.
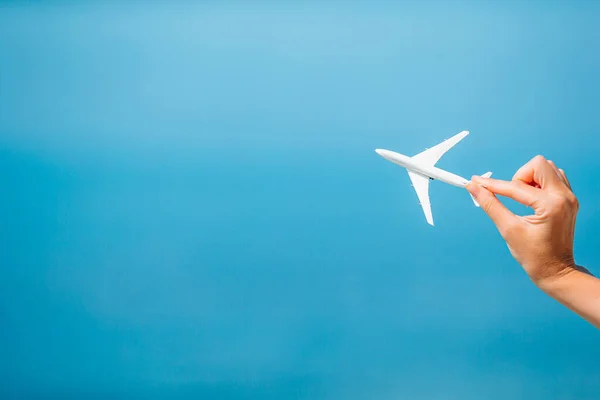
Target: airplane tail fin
(486, 175)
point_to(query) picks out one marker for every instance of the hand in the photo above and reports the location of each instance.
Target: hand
(543, 242)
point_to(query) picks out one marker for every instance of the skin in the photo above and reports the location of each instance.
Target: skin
(542, 243)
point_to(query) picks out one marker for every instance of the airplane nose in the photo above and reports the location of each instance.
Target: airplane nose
(383, 153)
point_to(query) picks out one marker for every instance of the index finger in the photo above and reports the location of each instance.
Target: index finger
(517, 191)
(538, 171)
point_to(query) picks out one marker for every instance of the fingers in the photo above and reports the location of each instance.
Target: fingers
(538, 172)
(564, 175)
(561, 174)
(515, 190)
(498, 213)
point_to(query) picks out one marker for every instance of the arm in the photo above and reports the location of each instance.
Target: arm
(578, 290)
(543, 242)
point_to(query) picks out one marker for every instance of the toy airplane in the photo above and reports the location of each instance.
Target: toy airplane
(421, 169)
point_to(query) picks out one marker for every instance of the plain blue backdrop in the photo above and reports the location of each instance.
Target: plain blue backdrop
(191, 204)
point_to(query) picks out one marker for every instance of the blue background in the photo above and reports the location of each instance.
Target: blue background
(191, 205)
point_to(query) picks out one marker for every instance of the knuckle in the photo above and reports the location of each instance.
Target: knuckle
(572, 200)
(563, 203)
(487, 206)
(539, 159)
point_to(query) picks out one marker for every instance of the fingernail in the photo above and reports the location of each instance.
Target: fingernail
(478, 180)
(473, 188)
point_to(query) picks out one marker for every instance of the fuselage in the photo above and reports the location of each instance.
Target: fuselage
(424, 170)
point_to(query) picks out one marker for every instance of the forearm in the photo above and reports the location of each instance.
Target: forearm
(578, 290)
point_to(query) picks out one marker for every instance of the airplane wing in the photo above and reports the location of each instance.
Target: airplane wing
(433, 154)
(421, 185)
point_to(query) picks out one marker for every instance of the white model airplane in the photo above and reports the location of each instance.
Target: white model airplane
(421, 169)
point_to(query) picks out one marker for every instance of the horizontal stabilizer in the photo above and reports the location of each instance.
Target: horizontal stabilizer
(486, 175)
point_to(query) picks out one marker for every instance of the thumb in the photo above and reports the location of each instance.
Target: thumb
(498, 213)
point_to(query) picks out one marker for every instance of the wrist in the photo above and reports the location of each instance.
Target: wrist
(556, 275)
